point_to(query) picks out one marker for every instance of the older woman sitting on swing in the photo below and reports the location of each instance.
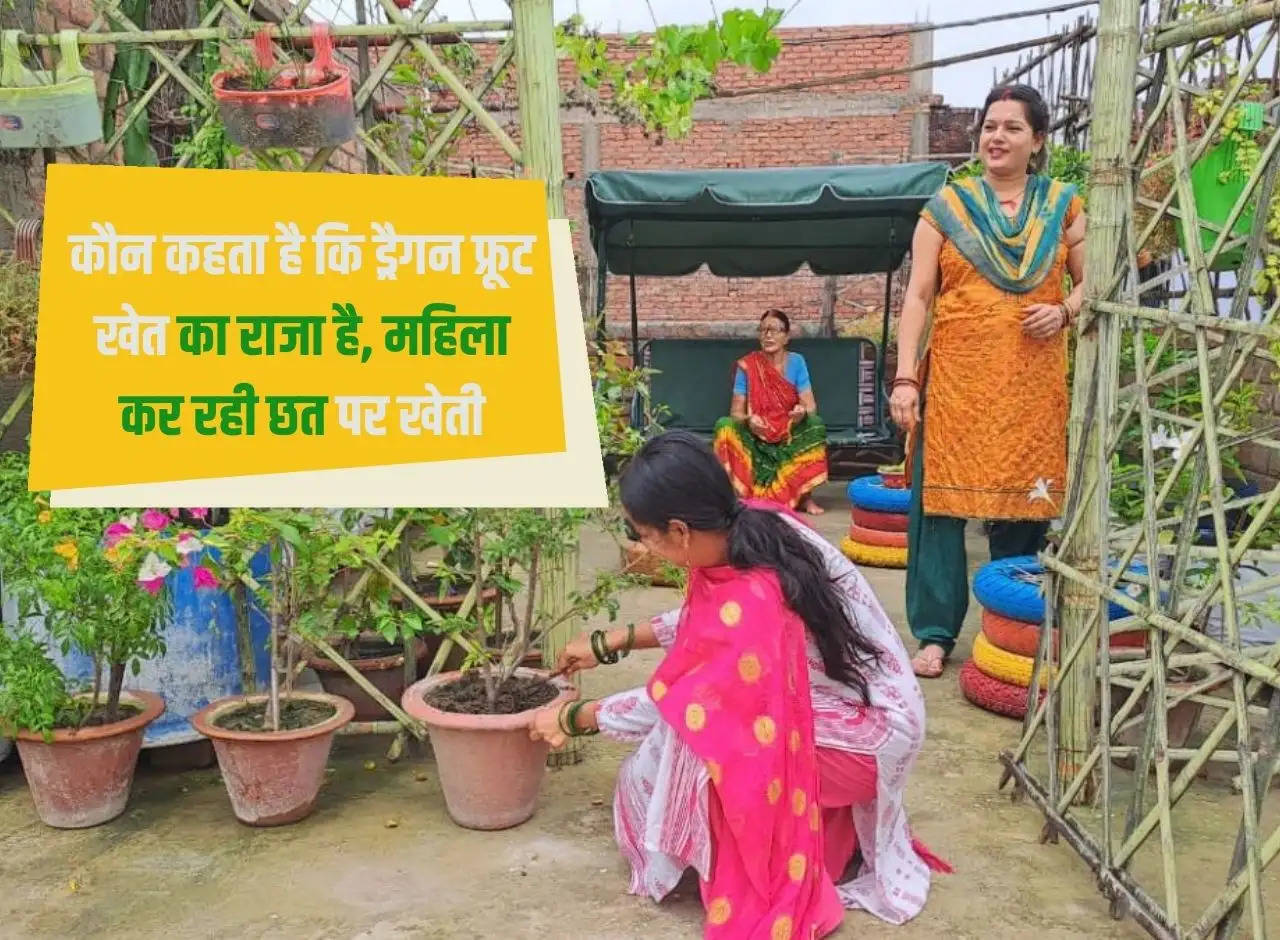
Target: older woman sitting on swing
(773, 444)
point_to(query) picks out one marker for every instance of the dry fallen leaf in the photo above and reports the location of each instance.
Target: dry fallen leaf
(370, 765)
(392, 823)
(421, 776)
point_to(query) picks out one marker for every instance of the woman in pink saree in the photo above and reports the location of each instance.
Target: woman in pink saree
(776, 735)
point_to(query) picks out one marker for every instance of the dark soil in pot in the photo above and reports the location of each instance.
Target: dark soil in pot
(467, 696)
(295, 714)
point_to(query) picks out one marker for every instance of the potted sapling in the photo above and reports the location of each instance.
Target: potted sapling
(478, 717)
(266, 105)
(74, 591)
(272, 747)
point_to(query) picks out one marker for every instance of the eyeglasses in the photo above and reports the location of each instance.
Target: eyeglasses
(770, 331)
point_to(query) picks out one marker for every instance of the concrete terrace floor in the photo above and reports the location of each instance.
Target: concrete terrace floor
(380, 859)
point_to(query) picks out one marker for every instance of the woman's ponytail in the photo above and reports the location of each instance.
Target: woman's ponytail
(763, 539)
(676, 476)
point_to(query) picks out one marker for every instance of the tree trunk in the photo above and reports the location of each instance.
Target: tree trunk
(114, 685)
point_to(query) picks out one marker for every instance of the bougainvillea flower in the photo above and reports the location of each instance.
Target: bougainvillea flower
(70, 552)
(187, 544)
(153, 572)
(115, 532)
(155, 519)
(199, 512)
(205, 578)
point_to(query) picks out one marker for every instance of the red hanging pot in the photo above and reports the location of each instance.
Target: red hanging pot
(309, 106)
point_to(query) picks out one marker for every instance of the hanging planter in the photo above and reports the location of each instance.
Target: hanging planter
(47, 109)
(1217, 182)
(296, 106)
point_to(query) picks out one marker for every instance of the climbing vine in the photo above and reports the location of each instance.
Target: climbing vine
(661, 77)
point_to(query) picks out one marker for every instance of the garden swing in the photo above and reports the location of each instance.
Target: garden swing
(838, 220)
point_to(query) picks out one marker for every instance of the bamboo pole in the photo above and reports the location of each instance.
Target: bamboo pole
(538, 87)
(1112, 118)
(15, 407)
(1216, 24)
(406, 30)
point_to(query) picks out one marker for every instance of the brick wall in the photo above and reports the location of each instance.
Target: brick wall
(874, 121)
(951, 131)
(1262, 464)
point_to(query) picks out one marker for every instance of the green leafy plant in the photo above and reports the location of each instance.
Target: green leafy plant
(98, 585)
(665, 74)
(307, 548)
(511, 549)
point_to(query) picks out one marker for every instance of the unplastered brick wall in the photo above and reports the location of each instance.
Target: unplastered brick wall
(881, 120)
(1259, 462)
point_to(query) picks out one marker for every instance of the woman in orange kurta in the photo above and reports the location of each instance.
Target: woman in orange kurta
(990, 255)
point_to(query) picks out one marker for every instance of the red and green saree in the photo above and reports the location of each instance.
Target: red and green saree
(783, 462)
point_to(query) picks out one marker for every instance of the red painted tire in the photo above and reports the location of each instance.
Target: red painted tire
(877, 537)
(992, 695)
(1023, 639)
(884, 521)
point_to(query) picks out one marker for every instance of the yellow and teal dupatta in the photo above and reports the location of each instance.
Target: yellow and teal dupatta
(1014, 254)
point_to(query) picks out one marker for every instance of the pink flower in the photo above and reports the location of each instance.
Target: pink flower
(199, 512)
(115, 532)
(155, 520)
(205, 578)
(153, 586)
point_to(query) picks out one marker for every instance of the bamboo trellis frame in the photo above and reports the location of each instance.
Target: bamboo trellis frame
(1063, 759)
(530, 30)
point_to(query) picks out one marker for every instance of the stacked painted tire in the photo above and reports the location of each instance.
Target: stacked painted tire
(878, 529)
(998, 676)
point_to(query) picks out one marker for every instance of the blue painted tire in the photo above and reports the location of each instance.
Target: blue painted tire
(870, 493)
(1006, 587)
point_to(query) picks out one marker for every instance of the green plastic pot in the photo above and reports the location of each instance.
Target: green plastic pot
(1215, 200)
(56, 108)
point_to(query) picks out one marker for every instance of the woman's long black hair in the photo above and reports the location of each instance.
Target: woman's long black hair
(676, 476)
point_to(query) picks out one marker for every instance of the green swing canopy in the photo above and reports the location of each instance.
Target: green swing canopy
(764, 222)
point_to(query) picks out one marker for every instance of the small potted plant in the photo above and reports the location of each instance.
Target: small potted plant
(478, 717)
(272, 748)
(104, 599)
(265, 105)
(372, 635)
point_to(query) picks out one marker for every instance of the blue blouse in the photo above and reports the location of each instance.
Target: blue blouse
(796, 372)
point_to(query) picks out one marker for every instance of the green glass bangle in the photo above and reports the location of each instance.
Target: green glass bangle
(631, 640)
(565, 727)
(573, 709)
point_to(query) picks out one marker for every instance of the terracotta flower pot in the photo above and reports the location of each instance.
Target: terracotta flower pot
(272, 777)
(489, 769)
(83, 777)
(385, 672)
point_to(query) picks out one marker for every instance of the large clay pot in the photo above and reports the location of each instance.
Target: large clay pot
(386, 673)
(82, 777)
(272, 777)
(489, 769)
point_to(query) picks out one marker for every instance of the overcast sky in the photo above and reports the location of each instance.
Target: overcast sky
(959, 84)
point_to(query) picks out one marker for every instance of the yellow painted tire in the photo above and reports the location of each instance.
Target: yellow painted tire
(877, 556)
(1004, 666)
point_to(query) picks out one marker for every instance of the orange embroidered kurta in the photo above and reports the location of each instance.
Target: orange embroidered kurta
(996, 408)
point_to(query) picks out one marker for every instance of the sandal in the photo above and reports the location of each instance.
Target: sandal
(929, 662)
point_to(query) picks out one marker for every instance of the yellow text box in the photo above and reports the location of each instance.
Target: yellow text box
(409, 320)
